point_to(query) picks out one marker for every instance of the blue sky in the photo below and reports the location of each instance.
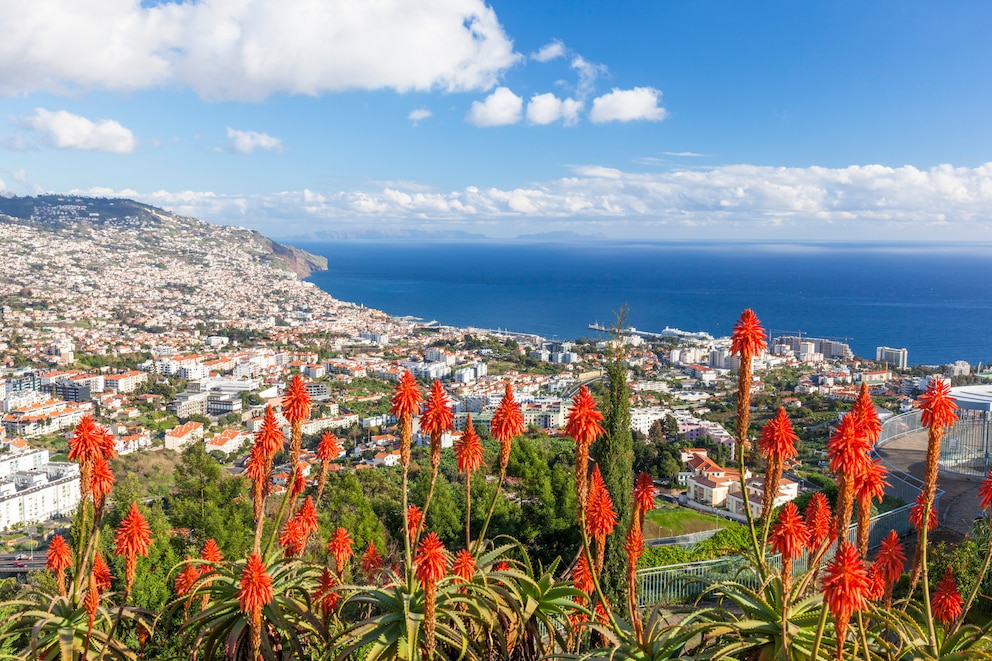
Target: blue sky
(655, 119)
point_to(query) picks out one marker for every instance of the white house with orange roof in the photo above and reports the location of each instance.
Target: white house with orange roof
(228, 441)
(182, 435)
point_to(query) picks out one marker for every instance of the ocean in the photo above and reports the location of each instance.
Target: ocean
(934, 300)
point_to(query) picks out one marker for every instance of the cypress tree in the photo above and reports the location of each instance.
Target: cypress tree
(614, 452)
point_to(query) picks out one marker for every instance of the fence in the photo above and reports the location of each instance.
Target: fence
(685, 582)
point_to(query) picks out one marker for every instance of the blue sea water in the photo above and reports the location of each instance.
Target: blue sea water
(934, 300)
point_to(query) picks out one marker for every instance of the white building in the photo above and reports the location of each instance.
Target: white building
(897, 358)
(32, 489)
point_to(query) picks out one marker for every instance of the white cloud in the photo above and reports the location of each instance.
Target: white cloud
(686, 154)
(548, 108)
(588, 73)
(500, 108)
(231, 49)
(248, 142)
(857, 202)
(64, 130)
(640, 103)
(419, 114)
(549, 51)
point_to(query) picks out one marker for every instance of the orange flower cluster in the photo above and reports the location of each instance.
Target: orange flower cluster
(58, 559)
(819, 521)
(846, 588)
(583, 426)
(464, 565)
(296, 401)
(436, 419)
(371, 562)
(468, 449)
(327, 451)
(326, 597)
(748, 338)
(947, 602)
(254, 593)
(790, 534)
(405, 403)
(340, 546)
(133, 538)
(600, 515)
(507, 424)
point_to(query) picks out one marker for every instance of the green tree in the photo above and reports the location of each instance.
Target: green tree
(614, 453)
(211, 503)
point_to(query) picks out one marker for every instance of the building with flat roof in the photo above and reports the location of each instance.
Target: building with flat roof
(897, 358)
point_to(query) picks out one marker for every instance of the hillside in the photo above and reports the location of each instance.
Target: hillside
(148, 227)
(107, 266)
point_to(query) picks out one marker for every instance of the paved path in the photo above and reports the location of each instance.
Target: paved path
(958, 506)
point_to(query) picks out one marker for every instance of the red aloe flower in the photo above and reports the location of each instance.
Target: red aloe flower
(413, 517)
(947, 602)
(254, 593)
(211, 552)
(890, 561)
(985, 491)
(818, 520)
(584, 418)
(406, 402)
(507, 424)
(134, 537)
(847, 449)
(296, 401)
(845, 588)
(778, 440)
(437, 417)
(340, 547)
(292, 538)
(600, 515)
(326, 597)
(876, 589)
(602, 617)
(432, 564)
(91, 601)
(583, 426)
(101, 572)
(307, 516)
(644, 494)
(186, 579)
(107, 444)
(748, 338)
(776, 443)
(58, 559)
(269, 438)
(939, 407)
(633, 545)
(916, 514)
(329, 448)
(406, 396)
(865, 415)
(790, 534)
(468, 449)
(86, 442)
(582, 575)
(868, 486)
(371, 561)
(502, 565)
(101, 480)
(464, 565)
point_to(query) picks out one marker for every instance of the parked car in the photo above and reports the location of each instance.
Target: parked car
(19, 563)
